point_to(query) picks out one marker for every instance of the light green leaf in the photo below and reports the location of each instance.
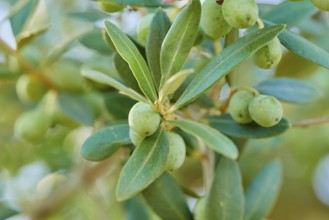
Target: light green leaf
(262, 193)
(173, 83)
(129, 52)
(290, 13)
(289, 90)
(224, 123)
(94, 40)
(226, 200)
(145, 3)
(146, 164)
(76, 108)
(103, 143)
(213, 138)
(157, 32)
(103, 78)
(166, 199)
(25, 37)
(223, 63)
(179, 40)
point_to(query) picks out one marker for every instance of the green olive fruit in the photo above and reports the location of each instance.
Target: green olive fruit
(269, 55)
(135, 138)
(30, 89)
(265, 110)
(49, 183)
(143, 120)
(238, 107)
(143, 28)
(321, 4)
(111, 7)
(177, 151)
(212, 21)
(199, 210)
(32, 125)
(240, 13)
(66, 76)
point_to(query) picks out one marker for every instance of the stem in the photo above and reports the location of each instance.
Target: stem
(310, 122)
(26, 65)
(260, 23)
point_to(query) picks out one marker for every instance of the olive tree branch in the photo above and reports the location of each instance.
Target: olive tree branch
(310, 122)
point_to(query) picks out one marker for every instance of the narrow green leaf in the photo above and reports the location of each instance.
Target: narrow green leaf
(290, 13)
(25, 37)
(6, 212)
(94, 40)
(136, 208)
(304, 48)
(157, 32)
(179, 40)
(146, 164)
(166, 199)
(145, 3)
(173, 83)
(76, 108)
(262, 193)
(289, 90)
(213, 138)
(103, 143)
(224, 123)
(103, 78)
(226, 200)
(129, 52)
(223, 63)
(118, 105)
(125, 73)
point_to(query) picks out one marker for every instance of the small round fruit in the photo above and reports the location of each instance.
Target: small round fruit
(135, 138)
(30, 89)
(49, 183)
(32, 125)
(143, 120)
(177, 151)
(240, 13)
(238, 107)
(321, 4)
(269, 55)
(143, 28)
(212, 21)
(199, 210)
(265, 110)
(111, 7)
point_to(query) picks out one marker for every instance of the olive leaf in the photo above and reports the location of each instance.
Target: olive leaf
(145, 3)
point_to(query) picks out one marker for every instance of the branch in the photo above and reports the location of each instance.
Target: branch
(310, 122)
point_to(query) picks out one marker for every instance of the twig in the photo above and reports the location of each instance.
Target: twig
(310, 122)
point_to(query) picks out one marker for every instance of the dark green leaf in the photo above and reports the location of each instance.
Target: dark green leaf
(289, 90)
(290, 13)
(94, 40)
(224, 123)
(229, 58)
(76, 108)
(262, 193)
(135, 208)
(157, 32)
(179, 40)
(213, 138)
(118, 105)
(103, 143)
(226, 200)
(303, 47)
(166, 199)
(91, 15)
(128, 51)
(125, 73)
(6, 212)
(146, 164)
(145, 3)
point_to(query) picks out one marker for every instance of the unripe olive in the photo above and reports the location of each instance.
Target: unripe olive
(143, 28)
(177, 151)
(135, 138)
(321, 4)
(238, 107)
(199, 210)
(143, 120)
(212, 21)
(269, 55)
(32, 125)
(265, 110)
(111, 7)
(240, 13)
(49, 183)
(30, 89)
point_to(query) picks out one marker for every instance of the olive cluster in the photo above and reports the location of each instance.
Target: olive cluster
(247, 106)
(143, 122)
